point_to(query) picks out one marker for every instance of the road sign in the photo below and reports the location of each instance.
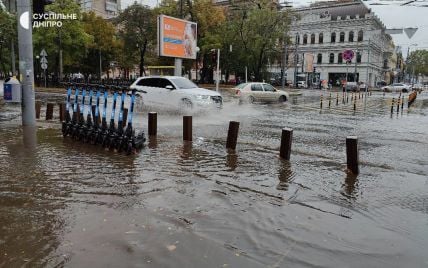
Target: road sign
(348, 55)
(44, 66)
(43, 53)
(43, 60)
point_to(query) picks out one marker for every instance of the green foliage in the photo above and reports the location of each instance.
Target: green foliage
(103, 34)
(419, 61)
(8, 33)
(71, 37)
(257, 31)
(137, 29)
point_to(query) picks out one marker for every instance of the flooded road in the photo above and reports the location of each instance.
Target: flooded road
(175, 204)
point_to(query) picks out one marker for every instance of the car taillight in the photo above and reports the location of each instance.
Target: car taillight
(238, 92)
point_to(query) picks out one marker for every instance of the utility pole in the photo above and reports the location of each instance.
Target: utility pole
(284, 62)
(296, 58)
(25, 44)
(178, 62)
(218, 70)
(368, 63)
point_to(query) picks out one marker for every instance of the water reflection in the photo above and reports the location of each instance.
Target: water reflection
(232, 160)
(350, 186)
(285, 174)
(29, 137)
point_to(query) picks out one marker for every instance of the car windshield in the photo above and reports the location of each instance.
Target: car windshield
(183, 83)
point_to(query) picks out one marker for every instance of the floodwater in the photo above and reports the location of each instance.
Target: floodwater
(175, 204)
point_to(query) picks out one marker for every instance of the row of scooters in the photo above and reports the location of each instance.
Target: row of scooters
(113, 136)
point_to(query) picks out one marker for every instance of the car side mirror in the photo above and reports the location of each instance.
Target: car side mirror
(169, 87)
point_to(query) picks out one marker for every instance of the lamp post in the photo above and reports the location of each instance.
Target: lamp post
(408, 61)
(197, 52)
(38, 70)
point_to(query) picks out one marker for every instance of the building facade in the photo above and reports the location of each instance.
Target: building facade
(104, 8)
(323, 37)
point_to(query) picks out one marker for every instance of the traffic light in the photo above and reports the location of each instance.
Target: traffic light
(39, 7)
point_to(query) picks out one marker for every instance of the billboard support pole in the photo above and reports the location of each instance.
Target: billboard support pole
(218, 70)
(177, 66)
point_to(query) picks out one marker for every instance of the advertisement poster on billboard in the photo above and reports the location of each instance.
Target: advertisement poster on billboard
(309, 62)
(177, 38)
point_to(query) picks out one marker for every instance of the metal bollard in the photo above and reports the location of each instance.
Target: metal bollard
(232, 135)
(321, 102)
(329, 101)
(187, 128)
(402, 104)
(392, 105)
(61, 112)
(38, 108)
(153, 123)
(49, 111)
(286, 141)
(398, 103)
(337, 98)
(352, 154)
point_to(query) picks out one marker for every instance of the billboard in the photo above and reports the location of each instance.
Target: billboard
(177, 38)
(309, 62)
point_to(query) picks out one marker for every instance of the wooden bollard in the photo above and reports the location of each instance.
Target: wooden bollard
(187, 128)
(337, 99)
(49, 111)
(153, 123)
(321, 102)
(347, 98)
(232, 135)
(329, 101)
(392, 105)
(352, 154)
(286, 141)
(355, 103)
(61, 112)
(402, 104)
(125, 116)
(38, 108)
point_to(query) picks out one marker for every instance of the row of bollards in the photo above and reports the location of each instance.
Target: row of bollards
(352, 158)
(345, 98)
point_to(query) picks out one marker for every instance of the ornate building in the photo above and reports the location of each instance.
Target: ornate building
(323, 37)
(104, 8)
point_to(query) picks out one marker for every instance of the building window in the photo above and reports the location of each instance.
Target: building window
(297, 39)
(319, 58)
(351, 36)
(340, 58)
(360, 36)
(342, 37)
(331, 58)
(305, 39)
(312, 38)
(321, 38)
(358, 57)
(333, 37)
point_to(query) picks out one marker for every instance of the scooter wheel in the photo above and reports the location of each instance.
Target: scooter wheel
(129, 148)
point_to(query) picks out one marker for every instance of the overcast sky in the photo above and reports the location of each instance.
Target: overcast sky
(391, 13)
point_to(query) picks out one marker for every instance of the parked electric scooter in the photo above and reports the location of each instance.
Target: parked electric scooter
(75, 121)
(103, 133)
(82, 125)
(66, 123)
(96, 126)
(130, 142)
(112, 129)
(119, 132)
(88, 127)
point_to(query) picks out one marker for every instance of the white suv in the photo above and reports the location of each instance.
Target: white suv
(175, 92)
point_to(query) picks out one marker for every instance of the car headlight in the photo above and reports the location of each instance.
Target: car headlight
(201, 97)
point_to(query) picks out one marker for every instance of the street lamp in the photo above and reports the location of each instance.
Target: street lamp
(218, 69)
(410, 79)
(197, 52)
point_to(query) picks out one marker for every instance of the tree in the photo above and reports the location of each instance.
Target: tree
(137, 29)
(418, 62)
(104, 47)
(70, 38)
(257, 30)
(7, 33)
